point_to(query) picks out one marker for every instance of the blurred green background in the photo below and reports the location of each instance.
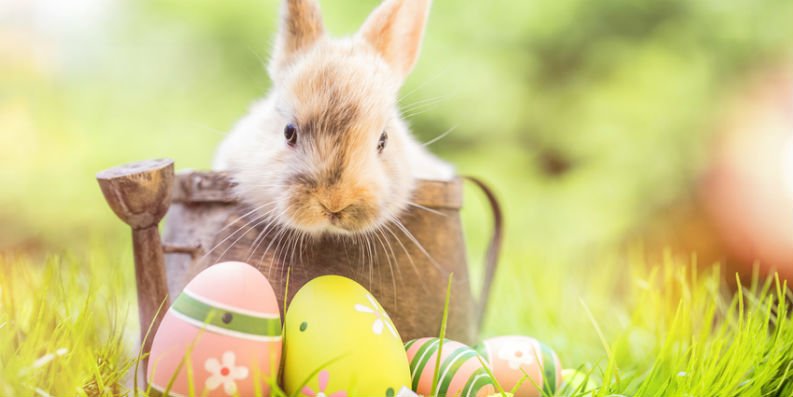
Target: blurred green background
(595, 121)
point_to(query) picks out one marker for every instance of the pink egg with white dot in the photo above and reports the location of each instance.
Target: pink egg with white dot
(512, 358)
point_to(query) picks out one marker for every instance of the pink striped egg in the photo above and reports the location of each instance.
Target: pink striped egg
(223, 331)
(461, 372)
(511, 358)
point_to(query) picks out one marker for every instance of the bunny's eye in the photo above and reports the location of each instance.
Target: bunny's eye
(381, 143)
(290, 133)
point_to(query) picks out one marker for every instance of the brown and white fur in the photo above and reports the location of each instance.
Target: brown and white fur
(311, 154)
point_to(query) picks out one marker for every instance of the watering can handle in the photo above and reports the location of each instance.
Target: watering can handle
(493, 248)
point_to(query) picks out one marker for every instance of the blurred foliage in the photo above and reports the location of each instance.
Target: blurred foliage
(599, 112)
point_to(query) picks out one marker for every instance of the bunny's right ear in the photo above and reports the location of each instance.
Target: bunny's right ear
(301, 27)
(395, 30)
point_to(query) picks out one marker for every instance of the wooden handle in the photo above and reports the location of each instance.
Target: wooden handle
(140, 194)
(493, 249)
(150, 277)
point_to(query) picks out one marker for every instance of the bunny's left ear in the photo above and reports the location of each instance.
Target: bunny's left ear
(395, 30)
(301, 27)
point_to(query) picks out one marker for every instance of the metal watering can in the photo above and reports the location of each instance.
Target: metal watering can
(406, 268)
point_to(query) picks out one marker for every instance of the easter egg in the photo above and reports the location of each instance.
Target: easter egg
(220, 337)
(461, 371)
(511, 358)
(340, 342)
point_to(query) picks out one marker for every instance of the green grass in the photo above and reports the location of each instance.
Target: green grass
(67, 326)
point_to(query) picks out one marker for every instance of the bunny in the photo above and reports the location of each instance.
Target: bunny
(327, 152)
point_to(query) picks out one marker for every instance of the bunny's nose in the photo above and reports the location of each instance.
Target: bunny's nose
(334, 208)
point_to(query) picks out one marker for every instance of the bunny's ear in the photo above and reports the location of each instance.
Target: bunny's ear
(395, 30)
(301, 27)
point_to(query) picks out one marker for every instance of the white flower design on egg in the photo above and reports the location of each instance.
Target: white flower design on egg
(225, 373)
(382, 320)
(516, 355)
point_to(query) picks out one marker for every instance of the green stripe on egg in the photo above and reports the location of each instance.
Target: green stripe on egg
(219, 319)
(476, 382)
(421, 358)
(450, 366)
(548, 369)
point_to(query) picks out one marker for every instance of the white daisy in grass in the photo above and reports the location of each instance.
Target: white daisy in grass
(517, 355)
(225, 373)
(381, 317)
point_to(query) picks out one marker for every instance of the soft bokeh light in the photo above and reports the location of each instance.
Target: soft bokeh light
(591, 119)
(748, 191)
(786, 164)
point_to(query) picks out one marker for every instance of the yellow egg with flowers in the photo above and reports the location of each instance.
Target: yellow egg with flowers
(338, 341)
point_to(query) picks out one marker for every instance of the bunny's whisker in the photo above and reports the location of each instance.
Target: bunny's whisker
(375, 261)
(430, 210)
(404, 249)
(302, 250)
(367, 257)
(425, 101)
(273, 240)
(364, 256)
(279, 253)
(265, 230)
(231, 235)
(441, 136)
(390, 265)
(263, 219)
(423, 84)
(421, 248)
(391, 253)
(416, 112)
(282, 249)
(295, 238)
(243, 216)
